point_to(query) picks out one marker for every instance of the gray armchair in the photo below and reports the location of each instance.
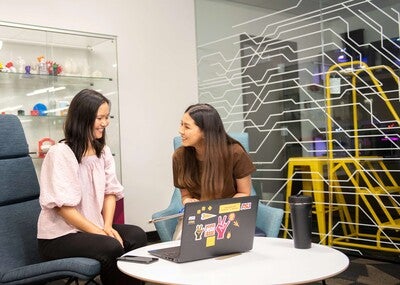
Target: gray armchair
(19, 210)
(268, 221)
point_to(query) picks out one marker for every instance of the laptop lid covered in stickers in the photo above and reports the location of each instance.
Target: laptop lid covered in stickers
(217, 227)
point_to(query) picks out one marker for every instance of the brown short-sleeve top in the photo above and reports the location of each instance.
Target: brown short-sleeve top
(240, 167)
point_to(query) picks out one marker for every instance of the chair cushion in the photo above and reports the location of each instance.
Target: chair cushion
(83, 268)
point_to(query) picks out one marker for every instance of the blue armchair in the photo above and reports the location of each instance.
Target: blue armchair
(19, 211)
(268, 222)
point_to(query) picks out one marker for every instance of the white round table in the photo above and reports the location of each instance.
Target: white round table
(271, 261)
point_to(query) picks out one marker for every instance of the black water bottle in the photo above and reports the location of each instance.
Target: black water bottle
(300, 212)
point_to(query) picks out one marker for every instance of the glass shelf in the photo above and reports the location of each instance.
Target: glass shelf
(87, 60)
(48, 77)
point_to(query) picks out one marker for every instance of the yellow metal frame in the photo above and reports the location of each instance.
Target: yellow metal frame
(312, 171)
(368, 175)
(368, 171)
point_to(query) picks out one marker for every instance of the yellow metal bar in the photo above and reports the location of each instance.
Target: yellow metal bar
(353, 69)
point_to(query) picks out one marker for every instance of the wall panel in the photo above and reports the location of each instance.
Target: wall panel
(316, 85)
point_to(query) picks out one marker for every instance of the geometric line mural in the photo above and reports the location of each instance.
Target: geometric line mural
(316, 86)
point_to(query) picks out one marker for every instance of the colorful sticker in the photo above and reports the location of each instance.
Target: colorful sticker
(222, 225)
(199, 232)
(206, 216)
(246, 206)
(209, 230)
(210, 241)
(191, 220)
(227, 208)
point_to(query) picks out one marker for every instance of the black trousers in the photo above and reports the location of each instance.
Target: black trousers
(102, 248)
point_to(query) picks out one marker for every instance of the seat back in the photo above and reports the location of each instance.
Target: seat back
(19, 198)
(166, 228)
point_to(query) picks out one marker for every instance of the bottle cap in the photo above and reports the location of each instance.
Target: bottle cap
(300, 199)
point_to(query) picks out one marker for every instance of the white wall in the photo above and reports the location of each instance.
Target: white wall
(157, 81)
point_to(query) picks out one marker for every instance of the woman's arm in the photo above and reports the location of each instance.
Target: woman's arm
(187, 197)
(243, 186)
(108, 210)
(108, 216)
(74, 218)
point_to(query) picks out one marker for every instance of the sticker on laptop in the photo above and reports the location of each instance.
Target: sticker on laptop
(218, 231)
(206, 216)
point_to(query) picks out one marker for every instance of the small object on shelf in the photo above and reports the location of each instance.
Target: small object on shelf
(53, 68)
(44, 145)
(28, 69)
(42, 65)
(9, 67)
(20, 63)
(41, 108)
(21, 113)
(34, 113)
(62, 107)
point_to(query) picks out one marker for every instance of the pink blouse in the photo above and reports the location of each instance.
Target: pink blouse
(65, 182)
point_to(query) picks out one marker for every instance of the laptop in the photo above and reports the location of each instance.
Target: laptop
(214, 228)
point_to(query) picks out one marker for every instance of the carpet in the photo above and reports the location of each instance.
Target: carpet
(363, 271)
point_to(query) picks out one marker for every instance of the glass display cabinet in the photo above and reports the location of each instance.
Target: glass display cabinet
(42, 69)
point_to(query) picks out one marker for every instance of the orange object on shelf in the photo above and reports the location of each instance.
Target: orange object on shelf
(43, 146)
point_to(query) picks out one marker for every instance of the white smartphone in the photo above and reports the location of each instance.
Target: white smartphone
(138, 259)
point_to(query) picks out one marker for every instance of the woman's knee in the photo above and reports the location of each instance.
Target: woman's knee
(111, 248)
(133, 236)
(141, 237)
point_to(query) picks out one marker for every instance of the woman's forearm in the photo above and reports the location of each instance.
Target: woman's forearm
(109, 210)
(74, 218)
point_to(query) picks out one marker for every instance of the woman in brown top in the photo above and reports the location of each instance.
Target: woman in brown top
(209, 164)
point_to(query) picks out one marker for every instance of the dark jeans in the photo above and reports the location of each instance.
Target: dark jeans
(103, 248)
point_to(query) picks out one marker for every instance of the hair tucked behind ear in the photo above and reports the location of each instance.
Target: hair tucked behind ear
(78, 127)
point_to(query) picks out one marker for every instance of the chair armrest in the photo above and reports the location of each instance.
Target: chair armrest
(80, 267)
(166, 228)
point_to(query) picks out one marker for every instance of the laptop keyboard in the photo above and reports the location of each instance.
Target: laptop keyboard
(169, 252)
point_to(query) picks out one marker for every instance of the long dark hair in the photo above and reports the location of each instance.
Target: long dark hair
(78, 127)
(217, 154)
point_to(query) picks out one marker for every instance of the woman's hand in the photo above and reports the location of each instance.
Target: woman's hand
(113, 233)
(189, 200)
